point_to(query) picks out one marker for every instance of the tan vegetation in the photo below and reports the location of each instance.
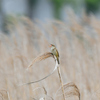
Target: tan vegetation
(78, 43)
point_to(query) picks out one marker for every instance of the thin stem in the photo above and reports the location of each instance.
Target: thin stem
(59, 73)
(42, 78)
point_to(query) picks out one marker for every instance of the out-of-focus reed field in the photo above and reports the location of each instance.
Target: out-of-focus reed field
(78, 42)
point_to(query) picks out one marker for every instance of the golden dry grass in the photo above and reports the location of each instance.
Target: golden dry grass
(78, 42)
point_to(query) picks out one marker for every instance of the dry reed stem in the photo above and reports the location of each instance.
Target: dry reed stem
(61, 82)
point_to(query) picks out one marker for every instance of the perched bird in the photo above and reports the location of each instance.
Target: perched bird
(55, 52)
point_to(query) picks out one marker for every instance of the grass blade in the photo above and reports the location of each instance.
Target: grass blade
(39, 58)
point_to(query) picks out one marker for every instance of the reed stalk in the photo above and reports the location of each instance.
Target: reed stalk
(61, 82)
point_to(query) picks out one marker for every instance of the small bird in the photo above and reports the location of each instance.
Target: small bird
(55, 52)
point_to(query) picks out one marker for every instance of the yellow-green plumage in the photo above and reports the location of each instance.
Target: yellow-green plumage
(55, 52)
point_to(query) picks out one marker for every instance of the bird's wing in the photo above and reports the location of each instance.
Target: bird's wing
(56, 52)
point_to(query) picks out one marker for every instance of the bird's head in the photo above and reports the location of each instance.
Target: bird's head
(52, 46)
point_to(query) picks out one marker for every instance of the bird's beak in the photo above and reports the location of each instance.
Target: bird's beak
(50, 45)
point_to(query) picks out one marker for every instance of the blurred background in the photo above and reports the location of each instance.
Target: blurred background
(27, 27)
(46, 9)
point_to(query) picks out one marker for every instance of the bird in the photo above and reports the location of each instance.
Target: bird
(55, 52)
